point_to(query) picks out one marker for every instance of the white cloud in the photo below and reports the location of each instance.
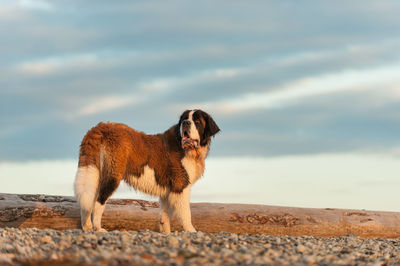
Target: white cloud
(14, 10)
(36, 5)
(105, 104)
(10, 12)
(379, 78)
(158, 85)
(168, 84)
(50, 65)
(96, 105)
(354, 53)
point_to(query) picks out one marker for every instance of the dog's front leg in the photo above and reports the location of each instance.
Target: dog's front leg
(165, 216)
(180, 203)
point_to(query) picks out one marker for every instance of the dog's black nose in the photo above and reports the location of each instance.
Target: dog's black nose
(186, 123)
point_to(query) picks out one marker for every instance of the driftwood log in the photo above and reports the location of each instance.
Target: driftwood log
(59, 212)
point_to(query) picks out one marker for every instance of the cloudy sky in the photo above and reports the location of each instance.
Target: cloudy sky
(282, 79)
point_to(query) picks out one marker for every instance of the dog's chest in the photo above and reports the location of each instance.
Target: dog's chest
(194, 168)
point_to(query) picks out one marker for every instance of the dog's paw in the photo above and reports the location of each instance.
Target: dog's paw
(87, 228)
(191, 229)
(165, 230)
(101, 230)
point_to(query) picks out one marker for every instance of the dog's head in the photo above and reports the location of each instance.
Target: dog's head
(196, 128)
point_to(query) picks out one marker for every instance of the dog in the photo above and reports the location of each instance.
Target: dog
(165, 165)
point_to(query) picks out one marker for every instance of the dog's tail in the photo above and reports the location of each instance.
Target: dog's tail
(88, 175)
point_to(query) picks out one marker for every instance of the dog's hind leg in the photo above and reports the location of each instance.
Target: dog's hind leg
(85, 188)
(96, 216)
(107, 187)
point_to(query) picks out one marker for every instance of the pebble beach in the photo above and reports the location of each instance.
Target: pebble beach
(75, 247)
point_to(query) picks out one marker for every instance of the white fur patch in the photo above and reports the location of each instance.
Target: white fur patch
(193, 167)
(194, 133)
(86, 186)
(147, 183)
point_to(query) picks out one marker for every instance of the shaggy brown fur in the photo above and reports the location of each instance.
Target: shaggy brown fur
(128, 151)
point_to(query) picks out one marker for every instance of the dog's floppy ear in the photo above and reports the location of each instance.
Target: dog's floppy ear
(185, 113)
(210, 129)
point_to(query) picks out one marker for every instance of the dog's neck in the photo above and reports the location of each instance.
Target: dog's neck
(194, 162)
(198, 154)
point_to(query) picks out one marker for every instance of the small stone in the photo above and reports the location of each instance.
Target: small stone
(199, 234)
(294, 258)
(186, 253)
(6, 258)
(272, 253)
(309, 259)
(234, 238)
(173, 241)
(301, 248)
(207, 238)
(87, 245)
(259, 261)
(147, 256)
(8, 248)
(80, 239)
(243, 257)
(125, 238)
(63, 243)
(46, 239)
(233, 246)
(22, 250)
(267, 246)
(330, 258)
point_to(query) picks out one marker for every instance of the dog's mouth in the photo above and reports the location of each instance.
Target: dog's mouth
(189, 143)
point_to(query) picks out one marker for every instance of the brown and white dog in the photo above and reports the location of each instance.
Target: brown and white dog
(164, 165)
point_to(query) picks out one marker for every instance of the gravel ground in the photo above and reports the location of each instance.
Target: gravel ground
(74, 247)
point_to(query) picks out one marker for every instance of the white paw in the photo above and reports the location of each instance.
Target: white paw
(87, 228)
(191, 230)
(165, 230)
(101, 230)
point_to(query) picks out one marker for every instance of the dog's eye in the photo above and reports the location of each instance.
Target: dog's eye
(197, 121)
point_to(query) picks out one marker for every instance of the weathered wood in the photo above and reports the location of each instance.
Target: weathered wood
(59, 212)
